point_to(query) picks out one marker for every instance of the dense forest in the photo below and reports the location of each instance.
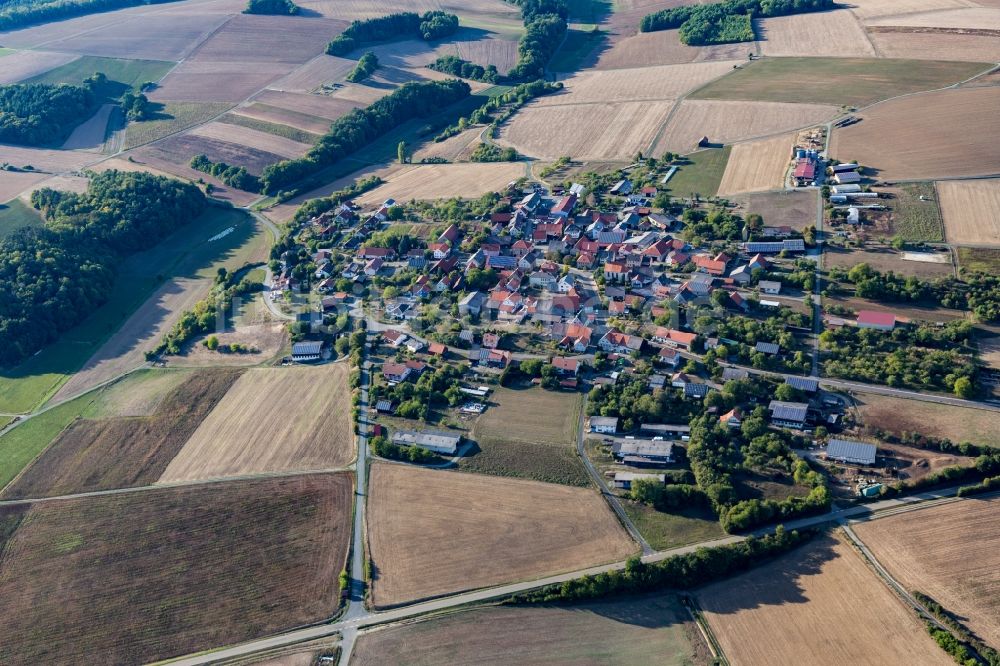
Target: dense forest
(56, 275)
(18, 13)
(404, 25)
(36, 114)
(544, 30)
(231, 175)
(272, 7)
(724, 22)
(362, 126)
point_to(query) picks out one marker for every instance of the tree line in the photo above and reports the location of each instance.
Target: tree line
(36, 114)
(724, 22)
(19, 13)
(56, 275)
(362, 126)
(234, 176)
(544, 30)
(449, 64)
(428, 26)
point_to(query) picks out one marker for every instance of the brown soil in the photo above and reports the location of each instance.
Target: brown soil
(123, 452)
(145, 576)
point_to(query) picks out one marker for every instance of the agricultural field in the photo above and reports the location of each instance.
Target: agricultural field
(529, 433)
(320, 106)
(648, 49)
(653, 629)
(294, 134)
(959, 424)
(454, 149)
(948, 552)
(835, 34)
(22, 65)
(701, 174)
(493, 528)
(796, 209)
(837, 81)
(971, 211)
(279, 117)
(145, 576)
(126, 451)
(729, 121)
(14, 183)
(257, 139)
(982, 259)
(42, 160)
(614, 131)
(916, 44)
(272, 420)
(965, 18)
(935, 135)
(663, 530)
(90, 134)
(171, 118)
(757, 166)
(915, 213)
(818, 605)
(443, 181)
(872, 9)
(632, 85)
(130, 73)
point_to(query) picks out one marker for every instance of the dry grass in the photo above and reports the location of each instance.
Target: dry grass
(273, 420)
(433, 533)
(320, 70)
(757, 166)
(256, 39)
(138, 394)
(834, 34)
(493, 50)
(50, 161)
(902, 43)
(172, 117)
(796, 209)
(122, 452)
(321, 106)
(615, 131)
(458, 147)
(978, 18)
(268, 338)
(647, 49)
(725, 122)
(633, 85)
(939, 134)
(531, 415)
(145, 576)
(250, 138)
(949, 552)
(439, 181)
(641, 630)
(959, 424)
(885, 260)
(971, 211)
(26, 64)
(818, 605)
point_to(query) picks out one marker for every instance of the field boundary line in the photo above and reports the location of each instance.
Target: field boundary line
(691, 606)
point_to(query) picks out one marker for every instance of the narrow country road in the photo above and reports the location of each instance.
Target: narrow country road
(269, 277)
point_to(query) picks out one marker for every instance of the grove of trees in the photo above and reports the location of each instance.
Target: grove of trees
(403, 25)
(724, 22)
(272, 7)
(36, 114)
(18, 13)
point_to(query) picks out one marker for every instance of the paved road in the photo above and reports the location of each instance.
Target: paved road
(269, 277)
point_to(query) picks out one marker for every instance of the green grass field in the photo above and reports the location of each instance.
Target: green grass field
(170, 119)
(129, 73)
(578, 45)
(670, 530)
(293, 133)
(916, 220)
(702, 176)
(16, 214)
(980, 259)
(838, 81)
(186, 253)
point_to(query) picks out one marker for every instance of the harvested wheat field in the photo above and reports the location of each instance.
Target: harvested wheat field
(493, 50)
(971, 211)
(443, 181)
(279, 116)
(757, 166)
(433, 533)
(16, 182)
(642, 630)
(586, 131)
(647, 49)
(915, 44)
(453, 149)
(818, 605)
(873, 9)
(321, 106)
(250, 138)
(959, 424)
(272, 420)
(966, 18)
(51, 161)
(634, 85)
(320, 70)
(256, 39)
(950, 552)
(833, 34)
(26, 64)
(121, 452)
(725, 122)
(935, 135)
(145, 576)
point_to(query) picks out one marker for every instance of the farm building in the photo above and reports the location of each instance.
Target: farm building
(308, 351)
(847, 451)
(841, 168)
(643, 452)
(788, 414)
(880, 321)
(623, 480)
(437, 441)
(805, 172)
(807, 384)
(605, 424)
(665, 430)
(847, 177)
(769, 348)
(770, 286)
(845, 189)
(773, 247)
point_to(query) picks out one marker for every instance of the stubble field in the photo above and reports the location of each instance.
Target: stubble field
(757, 166)
(920, 45)
(272, 420)
(647, 49)
(818, 605)
(433, 533)
(967, 18)
(633, 85)
(125, 451)
(835, 34)
(950, 552)
(873, 9)
(935, 135)
(619, 631)
(145, 576)
(442, 181)
(971, 211)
